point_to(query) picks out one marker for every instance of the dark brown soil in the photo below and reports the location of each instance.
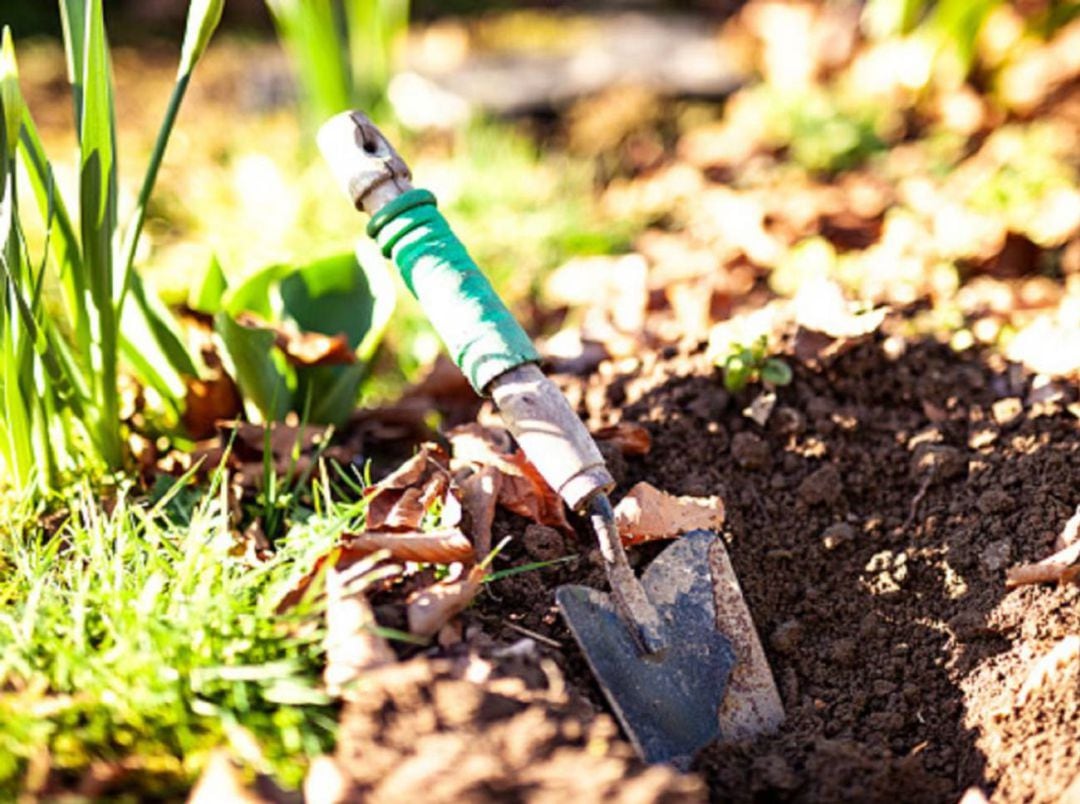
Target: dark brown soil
(870, 523)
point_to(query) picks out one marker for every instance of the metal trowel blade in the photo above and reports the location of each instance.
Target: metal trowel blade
(667, 701)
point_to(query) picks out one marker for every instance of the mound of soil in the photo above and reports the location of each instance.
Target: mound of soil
(870, 522)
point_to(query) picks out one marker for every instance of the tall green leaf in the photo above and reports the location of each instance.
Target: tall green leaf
(97, 217)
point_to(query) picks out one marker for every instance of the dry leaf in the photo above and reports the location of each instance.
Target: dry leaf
(629, 438)
(820, 306)
(479, 494)
(402, 499)
(525, 492)
(208, 401)
(646, 513)
(352, 645)
(304, 348)
(443, 546)
(430, 609)
(1063, 567)
(521, 488)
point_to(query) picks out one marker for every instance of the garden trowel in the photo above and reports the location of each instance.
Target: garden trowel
(676, 653)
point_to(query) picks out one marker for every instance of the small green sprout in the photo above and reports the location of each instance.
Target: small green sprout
(746, 364)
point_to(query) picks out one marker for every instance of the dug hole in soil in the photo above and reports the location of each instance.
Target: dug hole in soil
(871, 522)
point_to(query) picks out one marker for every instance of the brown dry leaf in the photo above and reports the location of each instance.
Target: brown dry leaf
(304, 348)
(1063, 567)
(525, 492)
(208, 401)
(430, 609)
(521, 489)
(647, 513)
(479, 494)
(443, 546)
(629, 438)
(352, 645)
(402, 499)
(221, 783)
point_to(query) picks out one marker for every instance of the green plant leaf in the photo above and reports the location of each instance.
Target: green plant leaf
(97, 214)
(73, 22)
(334, 295)
(207, 296)
(250, 355)
(202, 20)
(11, 102)
(776, 371)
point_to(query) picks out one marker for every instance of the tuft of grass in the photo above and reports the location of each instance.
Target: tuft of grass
(143, 635)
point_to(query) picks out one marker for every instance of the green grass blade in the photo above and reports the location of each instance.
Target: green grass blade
(64, 243)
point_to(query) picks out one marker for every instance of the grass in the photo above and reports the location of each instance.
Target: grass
(143, 635)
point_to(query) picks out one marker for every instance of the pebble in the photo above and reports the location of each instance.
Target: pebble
(1007, 411)
(997, 555)
(822, 486)
(838, 535)
(750, 451)
(995, 501)
(940, 463)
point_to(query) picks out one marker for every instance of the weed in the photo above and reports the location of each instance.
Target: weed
(746, 364)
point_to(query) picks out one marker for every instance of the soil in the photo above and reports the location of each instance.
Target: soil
(871, 522)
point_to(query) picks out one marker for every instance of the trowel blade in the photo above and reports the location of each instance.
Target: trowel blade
(667, 702)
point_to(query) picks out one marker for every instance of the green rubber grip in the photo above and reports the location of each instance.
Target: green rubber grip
(483, 338)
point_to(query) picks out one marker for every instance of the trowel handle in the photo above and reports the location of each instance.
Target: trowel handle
(480, 333)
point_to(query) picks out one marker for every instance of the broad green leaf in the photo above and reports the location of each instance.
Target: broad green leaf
(207, 296)
(250, 351)
(203, 18)
(332, 296)
(97, 214)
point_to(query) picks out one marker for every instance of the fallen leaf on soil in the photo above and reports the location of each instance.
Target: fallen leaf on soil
(479, 494)
(443, 546)
(630, 438)
(647, 513)
(1063, 567)
(221, 783)
(430, 609)
(521, 489)
(1064, 654)
(304, 348)
(352, 645)
(525, 492)
(401, 500)
(208, 401)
